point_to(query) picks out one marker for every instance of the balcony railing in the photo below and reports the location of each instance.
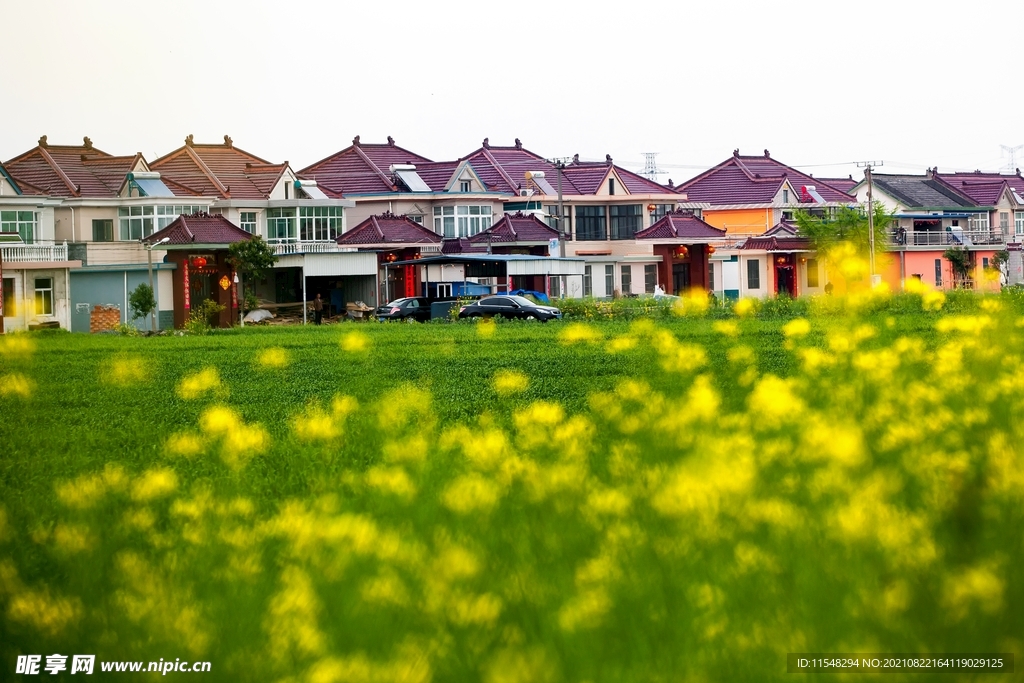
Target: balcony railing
(945, 238)
(25, 253)
(316, 247)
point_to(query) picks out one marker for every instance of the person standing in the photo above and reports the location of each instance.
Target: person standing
(318, 309)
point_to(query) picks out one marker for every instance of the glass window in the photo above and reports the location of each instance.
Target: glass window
(812, 272)
(978, 222)
(1004, 221)
(650, 278)
(938, 272)
(785, 196)
(588, 289)
(44, 296)
(21, 222)
(1018, 222)
(280, 224)
(711, 276)
(103, 230)
(416, 219)
(590, 223)
(660, 211)
(319, 223)
(10, 305)
(469, 219)
(136, 222)
(556, 286)
(609, 280)
(247, 221)
(464, 186)
(165, 215)
(626, 221)
(627, 280)
(753, 274)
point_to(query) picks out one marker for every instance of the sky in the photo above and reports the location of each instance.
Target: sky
(907, 83)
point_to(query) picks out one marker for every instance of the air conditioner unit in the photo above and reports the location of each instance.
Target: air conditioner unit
(526, 192)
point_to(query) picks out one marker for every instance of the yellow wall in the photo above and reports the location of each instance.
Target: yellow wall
(750, 221)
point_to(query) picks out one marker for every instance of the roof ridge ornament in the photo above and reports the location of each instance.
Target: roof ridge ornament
(519, 143)
(736, 152)
(355, 141)
(767, 154)
(87, 142)
(42, 142)
(486, 143)
(575, 159)
(391, 141)
(607, 159)
(189, 140)
(228, 142)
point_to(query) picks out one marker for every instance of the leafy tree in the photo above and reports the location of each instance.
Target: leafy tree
(848, 225)
(252, 256)
(141, 301)
(960, 259)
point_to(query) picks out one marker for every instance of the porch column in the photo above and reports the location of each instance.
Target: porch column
(303, 292)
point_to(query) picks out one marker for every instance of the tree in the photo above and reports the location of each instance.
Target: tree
(252, 256)
(960, 259)
(849, 226)
(141, 301)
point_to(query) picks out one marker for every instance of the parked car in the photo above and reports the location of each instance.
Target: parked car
(408, 309)
(509, 306)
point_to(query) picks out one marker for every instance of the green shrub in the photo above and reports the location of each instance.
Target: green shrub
(199, 318)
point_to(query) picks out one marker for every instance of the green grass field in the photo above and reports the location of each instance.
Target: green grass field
(686, 499)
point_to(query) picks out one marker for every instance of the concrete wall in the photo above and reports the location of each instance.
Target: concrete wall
(111, 287)
(24, 298)
(749, 221)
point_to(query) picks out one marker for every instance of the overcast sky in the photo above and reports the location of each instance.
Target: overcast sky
(820, 84)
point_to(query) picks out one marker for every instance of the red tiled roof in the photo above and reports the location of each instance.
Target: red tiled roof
(841, 184)
(517, 227)
(984, 188)
(71, 170)
(461, 245)
(200, 228)
(220, 170)
(388, 228)
(782, 229)
(360, 169)
(680, 224)
(778, 244)
(753, 180)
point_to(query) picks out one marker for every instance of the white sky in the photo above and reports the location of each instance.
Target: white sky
(909, 82)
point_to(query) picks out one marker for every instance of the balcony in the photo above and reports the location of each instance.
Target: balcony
(946, 238)
(298, 247)
(34, 253)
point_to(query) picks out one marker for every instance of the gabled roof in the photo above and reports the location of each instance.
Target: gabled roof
(921, 191)
(12, 181)
(841, 184)
(778, 244)
(219, 170)
(200, 229)
(361, 169)
(461, 245)
(754, 180)
(680, 224)
(782, 229)
(72, 170)
(387, 228)
(517, 227)
(986, 189)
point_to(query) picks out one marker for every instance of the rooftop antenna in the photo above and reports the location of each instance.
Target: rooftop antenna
(651, 170)
(1011, 152)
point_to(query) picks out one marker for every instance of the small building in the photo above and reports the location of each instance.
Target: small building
(684, 244)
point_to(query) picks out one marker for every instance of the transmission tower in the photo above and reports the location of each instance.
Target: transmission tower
(1011, 152)
(651, 170)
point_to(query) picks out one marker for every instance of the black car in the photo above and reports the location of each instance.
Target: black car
(509, 306)
(408, 309)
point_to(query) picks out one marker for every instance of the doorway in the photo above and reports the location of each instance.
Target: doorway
(680, 278)
(784, 280)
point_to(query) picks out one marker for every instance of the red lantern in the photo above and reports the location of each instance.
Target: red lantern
(682, 251)
(199, 261)
(711, 249)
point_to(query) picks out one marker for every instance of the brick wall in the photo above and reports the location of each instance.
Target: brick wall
(103, 318)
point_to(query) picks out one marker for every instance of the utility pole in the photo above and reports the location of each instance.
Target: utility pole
(868, 166)
(149, 258)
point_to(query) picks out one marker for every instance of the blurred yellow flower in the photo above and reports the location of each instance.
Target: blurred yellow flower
(471, 493)
(729, 328)
(16, 384)
(508, 382)
(125, 372)
(272, 358)
(620, 344)
(799, 327)
(154, 483)
(355, 342)
(195, 385)
(486, 328)
(743, 307)
(219, 420)
(16, 344)
(185, 444)
(577, 333)
(392, 480)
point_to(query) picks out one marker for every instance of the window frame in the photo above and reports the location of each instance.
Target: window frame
(625, 220)
(650, 277)
(106, 225)
(938, 272)
(626, 279)
(591, 223)
(319, 223)
(462, 220)
(25, 223)
(588, 287)
(754, 273)
(279, 216)
(43, 295)
(813, 267)
(609, 279)
(255, 222)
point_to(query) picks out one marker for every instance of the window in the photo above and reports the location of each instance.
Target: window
(319, 223)
(627, 280)
(711, 276)
(465, 186)
(10, 307)
(165, 215)
(611, 186)
(812, 272)
(650, 278)
(609, 280)
(625, 221)
(660, 210)
(1018, 222)
(551, 216)
(979, 222)
(103, 230)
(471, 220)
(785, 196)
(1004, 222)
(417, 219)
(21, 222)
(753, 274)
(247, 222)
(984, 263)
(588, 289)
(787, 216)
(556, 286)
(938, 272)
(590, 223)
(444, 290)
(136, 221)
(44, 296)
(280, 224)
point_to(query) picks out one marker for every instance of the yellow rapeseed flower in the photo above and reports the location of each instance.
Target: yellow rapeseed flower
(744, 307)
(16, 344)
(355, 342)
(154, 483)
(219, 420)
(577, 333)
(314, 425)
(508, 382)
(799, 327)
(195, 385)
(185, 444)
(125, 372)
(16, 384)
(471, 493)
(486, 328)
(272, 358)
(621, 343)
(729, 328)
(392, 480)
